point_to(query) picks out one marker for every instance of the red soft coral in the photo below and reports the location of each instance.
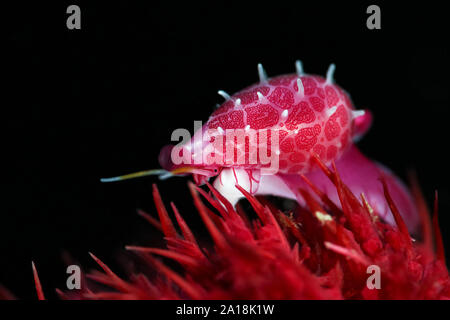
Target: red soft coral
(318, 252)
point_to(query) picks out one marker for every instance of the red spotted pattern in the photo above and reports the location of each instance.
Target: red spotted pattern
(310, 125)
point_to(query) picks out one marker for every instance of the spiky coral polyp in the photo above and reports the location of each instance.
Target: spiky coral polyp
(318, 252)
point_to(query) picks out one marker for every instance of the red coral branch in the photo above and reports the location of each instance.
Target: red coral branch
(315, 252)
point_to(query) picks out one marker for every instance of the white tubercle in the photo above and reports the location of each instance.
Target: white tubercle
(260, 96)
(301, 89)
(262, 74)
(238, 102)
(357, 113)
(299, 68)
(330, 111)
(284, 114)
(225, 95)
(221, 131)
(247, 127)
(330, 73)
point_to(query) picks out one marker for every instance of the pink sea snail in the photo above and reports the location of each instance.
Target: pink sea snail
(310, 114)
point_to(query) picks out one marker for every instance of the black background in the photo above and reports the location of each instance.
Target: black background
(102, 101)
